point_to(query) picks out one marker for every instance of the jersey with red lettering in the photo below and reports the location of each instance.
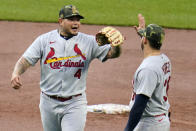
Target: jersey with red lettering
(152, 79)
(64, 62)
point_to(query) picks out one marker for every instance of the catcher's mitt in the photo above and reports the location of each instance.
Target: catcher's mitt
(109, 35)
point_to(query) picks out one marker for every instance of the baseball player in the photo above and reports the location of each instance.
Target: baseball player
(65, 55)
(149, 103)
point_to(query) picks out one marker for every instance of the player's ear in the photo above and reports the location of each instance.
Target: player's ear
(145, 40)
(60, 20)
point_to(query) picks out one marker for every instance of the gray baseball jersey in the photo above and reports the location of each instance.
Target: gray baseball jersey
(152, 79)
(64, 63)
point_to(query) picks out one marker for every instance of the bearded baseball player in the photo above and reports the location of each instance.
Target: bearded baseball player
(149, 103)
(65, 55)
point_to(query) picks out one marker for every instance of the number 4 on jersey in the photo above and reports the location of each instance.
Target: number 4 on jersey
(78, 73)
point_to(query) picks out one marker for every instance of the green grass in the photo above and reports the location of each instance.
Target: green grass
(167, 13)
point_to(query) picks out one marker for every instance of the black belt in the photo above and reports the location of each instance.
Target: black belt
(62, 99)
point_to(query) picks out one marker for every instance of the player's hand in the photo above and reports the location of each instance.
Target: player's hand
(15, 82)
(141, 23)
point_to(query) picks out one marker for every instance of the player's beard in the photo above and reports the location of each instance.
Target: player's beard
(142, 46)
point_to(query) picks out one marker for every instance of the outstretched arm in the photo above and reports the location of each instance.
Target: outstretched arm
(20, 67)
(141, 23)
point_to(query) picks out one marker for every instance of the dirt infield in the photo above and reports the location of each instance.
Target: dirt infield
(106, 83)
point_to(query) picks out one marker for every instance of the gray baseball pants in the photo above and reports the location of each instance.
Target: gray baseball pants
(63, 116)
(160, 123)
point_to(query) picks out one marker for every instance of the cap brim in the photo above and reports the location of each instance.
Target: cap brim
(79, 16)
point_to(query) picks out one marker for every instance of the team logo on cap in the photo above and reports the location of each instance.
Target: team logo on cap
(74, 10)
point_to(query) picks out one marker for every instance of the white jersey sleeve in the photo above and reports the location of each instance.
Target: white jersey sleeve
(34, 52)
(100, 52)
(147, 81)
